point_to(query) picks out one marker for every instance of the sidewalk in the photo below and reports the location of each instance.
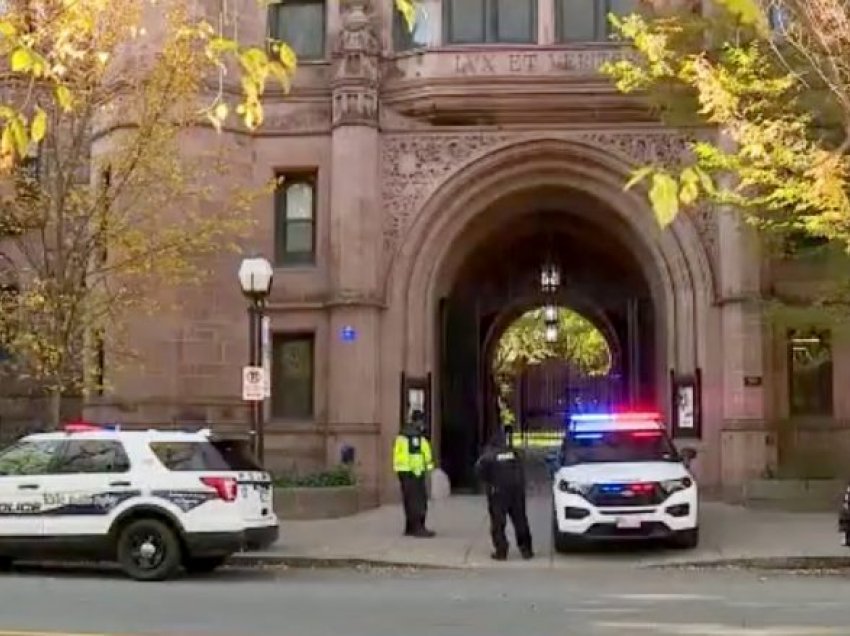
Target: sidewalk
(727, 533)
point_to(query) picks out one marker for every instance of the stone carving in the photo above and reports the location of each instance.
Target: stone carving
(356, 76)
(414, 165)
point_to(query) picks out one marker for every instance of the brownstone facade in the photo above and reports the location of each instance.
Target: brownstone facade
(402, 165)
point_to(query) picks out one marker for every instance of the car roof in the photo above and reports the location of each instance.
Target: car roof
(151, 434)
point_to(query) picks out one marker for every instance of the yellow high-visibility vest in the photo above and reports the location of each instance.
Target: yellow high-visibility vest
(412, 455)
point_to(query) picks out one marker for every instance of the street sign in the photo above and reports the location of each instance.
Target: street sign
(253, 384)
(267, 356)
(348, 333)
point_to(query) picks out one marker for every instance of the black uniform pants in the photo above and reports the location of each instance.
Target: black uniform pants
(504, 503)
(414, 495)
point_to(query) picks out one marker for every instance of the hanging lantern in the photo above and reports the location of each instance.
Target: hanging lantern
(550, 314)
(550, 278)
(551, 334)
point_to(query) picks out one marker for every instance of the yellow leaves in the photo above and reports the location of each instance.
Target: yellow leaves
(64, 97)
(21, 60)
(38, 127)
(407, 8)
(664, 196)
(287, 57)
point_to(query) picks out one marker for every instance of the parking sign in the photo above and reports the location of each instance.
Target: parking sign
(253, 384)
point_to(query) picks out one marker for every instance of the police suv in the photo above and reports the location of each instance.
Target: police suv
(152, 500)
(618, 476)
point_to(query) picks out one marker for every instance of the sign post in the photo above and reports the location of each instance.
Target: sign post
(266, 356)
(253, 384)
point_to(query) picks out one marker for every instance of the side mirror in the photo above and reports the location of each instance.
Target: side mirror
(551, 460)
(688, 455)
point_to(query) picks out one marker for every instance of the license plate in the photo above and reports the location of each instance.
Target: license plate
(628, 523)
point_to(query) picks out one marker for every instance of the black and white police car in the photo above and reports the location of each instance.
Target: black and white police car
(154, 501)
(619, 476)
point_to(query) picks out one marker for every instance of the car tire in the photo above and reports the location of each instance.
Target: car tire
(148, 550)
(6, 563)
(562, 542)
(686, 539)
(203, 565)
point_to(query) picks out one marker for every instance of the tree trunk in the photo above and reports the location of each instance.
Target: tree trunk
(55, 411)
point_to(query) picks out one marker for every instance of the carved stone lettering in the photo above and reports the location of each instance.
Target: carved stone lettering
(472, 64)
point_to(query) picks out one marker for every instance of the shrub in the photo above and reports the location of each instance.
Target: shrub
(333, 478)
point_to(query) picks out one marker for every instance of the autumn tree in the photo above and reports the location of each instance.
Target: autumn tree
(764, 87)
(102, 210)
(523, 344)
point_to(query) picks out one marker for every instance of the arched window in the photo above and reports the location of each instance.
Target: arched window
(587, 20)
(295, 220)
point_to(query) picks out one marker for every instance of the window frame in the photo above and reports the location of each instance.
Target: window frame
(283, 257)
(490, 25)
(825, 336)
(601, 27)
(271, 26)
(63, 454)
(278, 340)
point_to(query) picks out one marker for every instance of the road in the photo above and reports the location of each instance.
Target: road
(605, 602)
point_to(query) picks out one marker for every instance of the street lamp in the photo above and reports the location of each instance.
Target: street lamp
(255, 279)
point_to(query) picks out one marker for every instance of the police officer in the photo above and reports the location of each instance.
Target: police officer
(412, 460)
(500, 468)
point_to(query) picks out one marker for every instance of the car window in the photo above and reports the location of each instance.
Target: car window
(93, 456)
(189, 456)
(237, 454)
(31, 457)
(618, 446)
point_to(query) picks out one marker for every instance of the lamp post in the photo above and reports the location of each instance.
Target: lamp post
(255, 279)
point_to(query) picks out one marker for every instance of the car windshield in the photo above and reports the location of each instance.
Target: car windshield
(618, 446)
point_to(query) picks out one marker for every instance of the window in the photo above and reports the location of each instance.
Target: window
(630, 446)
(301, 24)
(189, 456)
(587, 20)
(93, 456)
(483, 21)
(809, 372)
(295, 220)
(405, 39)
(28, 458)
(292, 376)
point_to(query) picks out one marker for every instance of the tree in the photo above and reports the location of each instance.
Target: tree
(45, 41)
(765, 85)
(523, 344)
(109, 212)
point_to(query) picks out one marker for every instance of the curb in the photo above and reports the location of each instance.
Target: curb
(779, 564)
(326, 563)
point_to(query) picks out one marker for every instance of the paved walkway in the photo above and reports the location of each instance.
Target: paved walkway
(727, 532)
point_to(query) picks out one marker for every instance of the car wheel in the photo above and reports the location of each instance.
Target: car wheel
(686, 539)
(148, 550)
(203, 565)
(561, 541)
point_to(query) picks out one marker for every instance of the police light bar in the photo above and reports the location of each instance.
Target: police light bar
(598, 422)
(86, 427)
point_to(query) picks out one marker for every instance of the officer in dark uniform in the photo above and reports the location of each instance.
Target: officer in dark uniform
(500, 467)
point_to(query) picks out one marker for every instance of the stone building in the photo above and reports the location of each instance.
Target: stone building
(428, 178)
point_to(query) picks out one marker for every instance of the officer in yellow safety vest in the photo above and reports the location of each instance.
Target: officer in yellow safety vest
(412, 461)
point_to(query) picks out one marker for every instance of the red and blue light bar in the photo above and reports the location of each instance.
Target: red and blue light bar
(647, 423)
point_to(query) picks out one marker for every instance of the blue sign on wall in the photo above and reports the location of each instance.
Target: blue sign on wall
(348, 334)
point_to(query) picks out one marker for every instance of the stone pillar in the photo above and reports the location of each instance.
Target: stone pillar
(747, 447)
(355, 236)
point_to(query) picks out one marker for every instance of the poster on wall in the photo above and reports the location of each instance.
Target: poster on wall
(686, 405)
(416, 396)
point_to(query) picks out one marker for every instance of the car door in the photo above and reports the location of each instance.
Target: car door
(22, 469)
(89, 480)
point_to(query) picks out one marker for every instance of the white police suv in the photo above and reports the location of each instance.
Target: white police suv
(151, 500)
(618, 476)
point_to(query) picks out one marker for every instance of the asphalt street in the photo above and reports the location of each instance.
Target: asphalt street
(433, 603)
